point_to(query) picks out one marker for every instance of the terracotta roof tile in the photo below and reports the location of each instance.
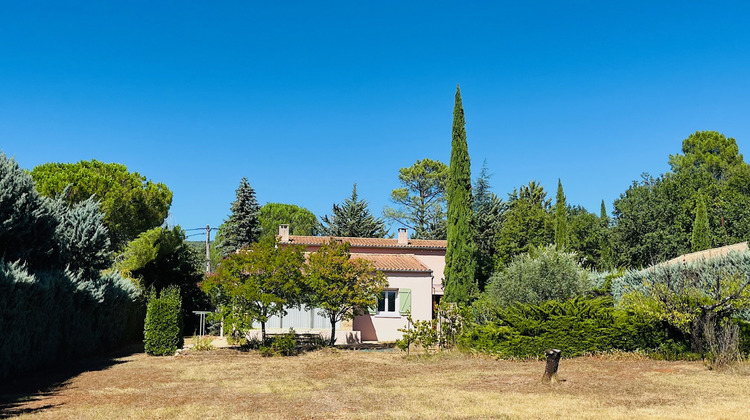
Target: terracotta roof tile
(394, 262)
(369, 242)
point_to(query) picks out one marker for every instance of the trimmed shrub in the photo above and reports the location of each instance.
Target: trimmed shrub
(542, 274)
(577, 326)
(162, 333)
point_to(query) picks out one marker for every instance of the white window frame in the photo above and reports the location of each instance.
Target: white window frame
(384, 296)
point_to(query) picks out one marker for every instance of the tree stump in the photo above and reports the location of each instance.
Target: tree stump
(553, 361)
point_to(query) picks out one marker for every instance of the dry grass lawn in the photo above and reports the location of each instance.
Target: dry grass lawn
(332, 384)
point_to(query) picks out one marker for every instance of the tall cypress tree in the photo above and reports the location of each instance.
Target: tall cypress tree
(561, 219)
(242, 229)
(605, 249)
(460, 284)
(701, 234)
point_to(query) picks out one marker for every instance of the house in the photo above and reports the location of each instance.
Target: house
(414, 270)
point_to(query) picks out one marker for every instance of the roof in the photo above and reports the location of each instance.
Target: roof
(369, 242)
(394, 262)
(709, 253)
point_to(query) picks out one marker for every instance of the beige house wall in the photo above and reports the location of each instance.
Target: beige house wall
(385, 327)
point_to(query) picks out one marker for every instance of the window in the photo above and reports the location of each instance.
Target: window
(387, 304)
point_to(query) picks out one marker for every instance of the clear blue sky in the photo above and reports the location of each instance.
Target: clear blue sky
(306, 98)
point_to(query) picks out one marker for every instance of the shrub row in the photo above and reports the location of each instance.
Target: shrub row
(51, 316)
(576, 326)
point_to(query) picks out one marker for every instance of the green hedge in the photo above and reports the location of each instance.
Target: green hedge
(576, 326)
(162, 334)
(52, 316)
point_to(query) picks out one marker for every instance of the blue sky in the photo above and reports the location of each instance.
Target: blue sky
(306, 98)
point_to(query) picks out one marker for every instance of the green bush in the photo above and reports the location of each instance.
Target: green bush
(162, 334)
(279, 345)
(542, 274)
(577, 326)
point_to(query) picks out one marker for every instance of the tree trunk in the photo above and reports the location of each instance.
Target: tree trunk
(333, 331)
(263, 331)
(553, 361)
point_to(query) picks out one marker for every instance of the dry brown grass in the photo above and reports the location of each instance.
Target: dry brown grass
(333, 384)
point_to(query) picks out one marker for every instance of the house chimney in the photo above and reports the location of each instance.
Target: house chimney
(403, 237)
(284, 233)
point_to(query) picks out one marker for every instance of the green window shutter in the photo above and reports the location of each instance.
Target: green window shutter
(404, 301)
(373, 310)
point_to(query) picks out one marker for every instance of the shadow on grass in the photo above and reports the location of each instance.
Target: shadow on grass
(26, 393)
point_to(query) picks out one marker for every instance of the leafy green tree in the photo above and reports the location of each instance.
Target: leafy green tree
(542, 274)
(421, 199)
(301, 221)
(161, 257)
(707, 151)
(353, 219)
(586, 234)
(488, 211)
(460, 265)
(258, 283)
(131, 204)
(527, 221)
(701, 231)
(691, 296)
(654, 218)
(242, 228)
(339, 286)
(561, 219)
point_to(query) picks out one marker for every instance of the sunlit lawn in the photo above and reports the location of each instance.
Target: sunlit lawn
(226, 383)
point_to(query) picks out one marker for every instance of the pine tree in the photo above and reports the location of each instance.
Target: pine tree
(353, 219)
(242, 229)
(561, 219)
(488, 209)
(460, 284)
(701, 234)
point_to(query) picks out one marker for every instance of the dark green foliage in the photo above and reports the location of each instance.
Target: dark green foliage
(526, 222)
(131, 204)
(84, 239)
(52, 316)
(301, 221)
(460, 264)
(654, 218)
(27, 222)
(540, 275)
(279, 345)
(488, 211)
(576, 327)
(352, 219)
(561, 219)
(587, 234)
(54, 303)
(421, 199)
(161, 257)
(701, 234)
(162, 333)
(242, 229)
(605, 241)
